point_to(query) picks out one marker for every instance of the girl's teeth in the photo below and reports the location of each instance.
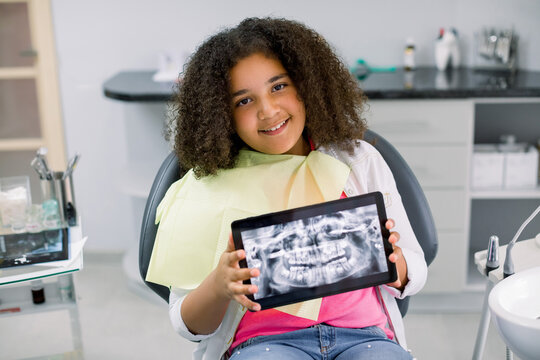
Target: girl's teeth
(276, 127)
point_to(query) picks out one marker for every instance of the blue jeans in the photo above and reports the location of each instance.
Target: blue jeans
(322, 342)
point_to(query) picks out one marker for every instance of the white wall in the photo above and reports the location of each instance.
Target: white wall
(121, 143)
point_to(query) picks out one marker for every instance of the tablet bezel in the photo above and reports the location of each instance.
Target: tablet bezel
(326, 208)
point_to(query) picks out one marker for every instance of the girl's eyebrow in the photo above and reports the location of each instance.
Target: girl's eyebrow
(269, 81)
(277, 77)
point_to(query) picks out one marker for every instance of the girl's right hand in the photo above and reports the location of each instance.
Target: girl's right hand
(229, 277)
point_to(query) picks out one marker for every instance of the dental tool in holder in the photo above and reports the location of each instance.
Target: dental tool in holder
(492, 260)
(57, 185)
(492, 263)
(508, 262)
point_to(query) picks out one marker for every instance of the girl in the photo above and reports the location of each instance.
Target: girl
(268, 118)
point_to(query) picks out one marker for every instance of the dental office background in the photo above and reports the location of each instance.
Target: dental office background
(121, 142)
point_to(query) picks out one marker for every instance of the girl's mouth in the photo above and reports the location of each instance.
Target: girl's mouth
(276, 129)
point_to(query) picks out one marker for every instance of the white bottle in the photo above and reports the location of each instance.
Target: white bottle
(447, 49)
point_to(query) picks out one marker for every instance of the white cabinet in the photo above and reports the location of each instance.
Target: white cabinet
(435, 138)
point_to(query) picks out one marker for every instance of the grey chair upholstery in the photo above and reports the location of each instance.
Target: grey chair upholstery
(412, 196)
(167, 174)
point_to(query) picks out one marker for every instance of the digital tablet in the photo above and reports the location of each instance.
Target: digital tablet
(34, 248)
(318, 250)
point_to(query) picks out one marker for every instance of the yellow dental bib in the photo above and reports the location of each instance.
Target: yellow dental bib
(195, 215)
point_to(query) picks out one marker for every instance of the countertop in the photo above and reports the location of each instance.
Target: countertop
(422, 83)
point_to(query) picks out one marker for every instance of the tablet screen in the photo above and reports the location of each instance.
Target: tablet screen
(33, 248)
(316, 251)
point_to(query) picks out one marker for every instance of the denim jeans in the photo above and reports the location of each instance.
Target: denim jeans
(322, 342)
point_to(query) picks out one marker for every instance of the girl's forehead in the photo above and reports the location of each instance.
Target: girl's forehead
(255, 69)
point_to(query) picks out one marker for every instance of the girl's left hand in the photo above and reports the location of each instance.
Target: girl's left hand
(397, 258)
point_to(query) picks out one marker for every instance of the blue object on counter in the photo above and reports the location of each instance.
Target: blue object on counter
(362, 69)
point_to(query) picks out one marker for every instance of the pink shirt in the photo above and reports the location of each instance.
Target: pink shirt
(341, 310)
(355, 309)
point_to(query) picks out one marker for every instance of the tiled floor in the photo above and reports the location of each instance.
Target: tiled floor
(119, 322)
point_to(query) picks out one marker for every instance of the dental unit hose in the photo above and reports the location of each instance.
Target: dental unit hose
(508, 263)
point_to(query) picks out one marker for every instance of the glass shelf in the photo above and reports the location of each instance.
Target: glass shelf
(18, 301)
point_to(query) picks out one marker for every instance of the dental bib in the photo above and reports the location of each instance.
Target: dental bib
(195, 215)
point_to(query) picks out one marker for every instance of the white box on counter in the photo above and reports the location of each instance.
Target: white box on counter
(521, 169)
(493, 169)
(487, 167)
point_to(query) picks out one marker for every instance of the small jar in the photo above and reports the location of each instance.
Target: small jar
(34, 218)
(38, 292)
(51, 214)
(65, 286)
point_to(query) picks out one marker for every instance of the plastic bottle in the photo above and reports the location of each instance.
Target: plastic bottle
(408, 58)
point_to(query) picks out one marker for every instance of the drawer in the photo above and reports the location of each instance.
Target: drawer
(448, 271)
(448, 209)
(422, 121)
(437, 166)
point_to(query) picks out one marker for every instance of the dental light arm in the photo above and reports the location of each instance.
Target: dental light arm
(508, 263)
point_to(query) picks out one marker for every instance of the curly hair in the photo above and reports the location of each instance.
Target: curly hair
(202, 120)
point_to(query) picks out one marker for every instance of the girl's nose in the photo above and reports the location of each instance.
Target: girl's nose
(268, 108)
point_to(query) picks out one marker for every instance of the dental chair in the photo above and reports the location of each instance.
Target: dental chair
(413, 198)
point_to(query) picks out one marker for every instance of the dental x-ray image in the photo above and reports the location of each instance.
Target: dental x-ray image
(315, 251)
(32, 248)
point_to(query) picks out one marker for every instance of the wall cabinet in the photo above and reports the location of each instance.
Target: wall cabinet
(436, 137)
(30, 113)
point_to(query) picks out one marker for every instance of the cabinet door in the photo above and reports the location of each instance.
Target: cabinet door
(30, 115)
(422, 121)
(443, 166)
(447, 209)
(447, 273)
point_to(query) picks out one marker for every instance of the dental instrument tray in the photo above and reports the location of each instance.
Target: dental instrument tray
(317, 250)
(33, 248)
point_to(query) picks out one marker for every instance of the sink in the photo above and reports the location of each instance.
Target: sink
(515, 307)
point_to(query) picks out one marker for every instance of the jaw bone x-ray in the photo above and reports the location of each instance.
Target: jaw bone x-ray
(316, 251)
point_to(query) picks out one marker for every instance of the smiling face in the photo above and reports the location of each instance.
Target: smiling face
(268, 114)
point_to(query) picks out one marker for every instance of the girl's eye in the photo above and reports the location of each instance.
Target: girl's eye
(279, 87)
(243, 102)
